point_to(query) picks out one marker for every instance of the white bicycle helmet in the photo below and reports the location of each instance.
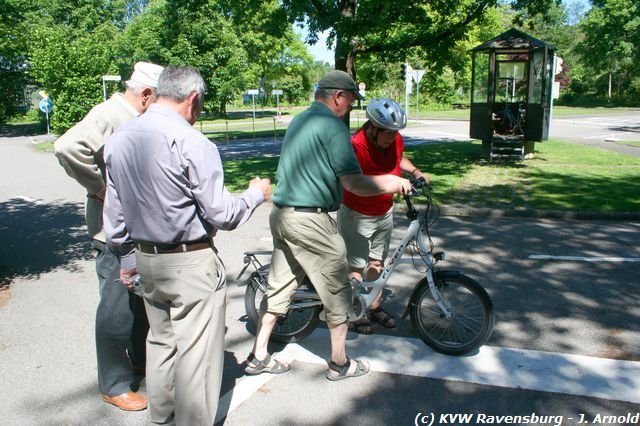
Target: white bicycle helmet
(386, 114)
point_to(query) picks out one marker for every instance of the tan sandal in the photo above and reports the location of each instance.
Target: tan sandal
(260, 367)
(348, 369)
(382, 317)
(362, 326)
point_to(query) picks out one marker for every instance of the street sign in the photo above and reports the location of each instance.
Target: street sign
(417, 75)
(106, 78)
(362, 87)
(276, 93)
(253, 92)
(408, 73)
(46, 105)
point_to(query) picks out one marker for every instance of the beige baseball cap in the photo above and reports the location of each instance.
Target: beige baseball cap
(146, 73)
(339, 80)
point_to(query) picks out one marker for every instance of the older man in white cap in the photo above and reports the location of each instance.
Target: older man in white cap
(121, 322)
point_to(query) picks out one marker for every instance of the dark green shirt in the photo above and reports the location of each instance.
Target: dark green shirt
(316, 151)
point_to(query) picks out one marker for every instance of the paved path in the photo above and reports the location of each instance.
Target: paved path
(566, 341)
(609, 133)
(605, 132)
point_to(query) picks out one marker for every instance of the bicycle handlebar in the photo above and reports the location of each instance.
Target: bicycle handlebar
(417, 184)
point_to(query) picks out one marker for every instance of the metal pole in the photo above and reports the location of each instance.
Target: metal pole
(553, 73)
(253, 100)
(104, 89)
(48, 135)
(513, 85)
(406, 91)
(417, 100)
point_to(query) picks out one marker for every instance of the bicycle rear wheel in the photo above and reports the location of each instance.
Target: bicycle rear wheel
(472, 320)
(297, 324)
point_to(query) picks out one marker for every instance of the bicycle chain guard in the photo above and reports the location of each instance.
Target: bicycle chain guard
(359, 308)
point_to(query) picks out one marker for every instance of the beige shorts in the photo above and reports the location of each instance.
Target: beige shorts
(366, 237)
(308, 244)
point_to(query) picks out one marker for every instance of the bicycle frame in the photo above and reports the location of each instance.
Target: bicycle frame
(392, 261)
(303, 298)
(414, 232)
(449, 310)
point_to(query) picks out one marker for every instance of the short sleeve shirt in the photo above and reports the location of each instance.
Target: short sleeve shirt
(374, 162)
(315, 153)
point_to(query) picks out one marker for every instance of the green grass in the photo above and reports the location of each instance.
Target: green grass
(564, 111)
(45, 146)
(569, 176)
(238, 173)
(446, 163)
(561, 176)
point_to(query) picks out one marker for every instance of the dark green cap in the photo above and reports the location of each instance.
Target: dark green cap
(339, 80)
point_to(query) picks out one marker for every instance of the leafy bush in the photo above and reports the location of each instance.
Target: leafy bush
(31, 116)
(591, 100)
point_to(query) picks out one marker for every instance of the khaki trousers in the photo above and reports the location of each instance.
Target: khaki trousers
(308, 244)
(185, 302)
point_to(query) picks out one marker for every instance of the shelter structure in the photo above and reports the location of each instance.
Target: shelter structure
(511, 93)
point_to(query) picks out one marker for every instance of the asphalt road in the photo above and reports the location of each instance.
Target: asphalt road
(609, 132)
(566, 346)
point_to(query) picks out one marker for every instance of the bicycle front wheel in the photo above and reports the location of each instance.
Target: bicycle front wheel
(472, 316)
(297, 324)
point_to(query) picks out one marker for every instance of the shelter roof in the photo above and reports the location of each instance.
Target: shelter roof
(512, 40)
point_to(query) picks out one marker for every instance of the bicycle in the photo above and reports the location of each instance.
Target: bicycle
(450, 311)
(510, 124)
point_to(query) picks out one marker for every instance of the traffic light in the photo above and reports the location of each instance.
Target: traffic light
(403, 72)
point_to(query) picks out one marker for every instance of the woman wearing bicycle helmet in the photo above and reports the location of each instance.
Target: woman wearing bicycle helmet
(366, 223)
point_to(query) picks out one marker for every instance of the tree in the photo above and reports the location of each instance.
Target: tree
(558, 27)
(234, 44)
(276, 55)
(70, 46)
(382, 27)
(12, 57)
(611, 47)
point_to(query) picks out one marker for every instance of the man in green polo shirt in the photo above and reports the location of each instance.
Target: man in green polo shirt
(316, 163)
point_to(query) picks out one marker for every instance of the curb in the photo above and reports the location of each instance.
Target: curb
(447, 210)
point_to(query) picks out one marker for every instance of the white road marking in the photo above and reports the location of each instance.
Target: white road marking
(448, 134)
(27, 199)
(584, 258)
(240, 393)
(491, 366)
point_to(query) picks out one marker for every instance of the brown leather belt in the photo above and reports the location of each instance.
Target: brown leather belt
(151, 248)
